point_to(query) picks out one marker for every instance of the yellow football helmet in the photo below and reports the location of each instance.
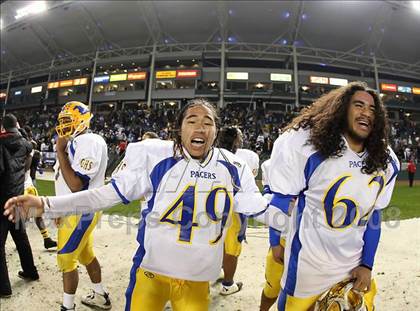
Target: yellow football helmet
(31, 190)
(73, 119)
(341, 297)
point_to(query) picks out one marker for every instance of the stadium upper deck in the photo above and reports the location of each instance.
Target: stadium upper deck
(146, 52)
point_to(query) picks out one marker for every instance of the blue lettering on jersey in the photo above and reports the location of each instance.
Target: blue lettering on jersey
(206, 175)
(356, 164)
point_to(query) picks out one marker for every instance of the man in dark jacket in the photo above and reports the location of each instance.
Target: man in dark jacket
(14, 152)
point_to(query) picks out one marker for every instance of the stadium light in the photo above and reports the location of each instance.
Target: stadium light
(416, 5)
(34, 8)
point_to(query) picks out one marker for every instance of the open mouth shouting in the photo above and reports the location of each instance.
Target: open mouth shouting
(198, 142)
(364, 124)
(198, 146)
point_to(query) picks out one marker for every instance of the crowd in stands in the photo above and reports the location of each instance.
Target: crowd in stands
(260, 128)
(405, 139)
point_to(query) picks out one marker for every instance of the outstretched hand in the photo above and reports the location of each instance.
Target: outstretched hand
(23, 207)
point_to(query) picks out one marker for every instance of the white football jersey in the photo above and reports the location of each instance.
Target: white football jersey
(88, 156)
(28, 180)
(265, 168)
(251, 158)
(189, 205)
(273, 234)
(335, 201)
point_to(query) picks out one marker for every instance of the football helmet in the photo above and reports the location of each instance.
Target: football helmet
(73, 119)
(31, 190)
(341, 297)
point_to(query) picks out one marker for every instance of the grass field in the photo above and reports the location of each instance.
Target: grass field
(405, 203)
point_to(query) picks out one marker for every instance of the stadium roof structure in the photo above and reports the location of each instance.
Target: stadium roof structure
(351, 34)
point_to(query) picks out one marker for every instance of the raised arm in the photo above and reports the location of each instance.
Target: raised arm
(130, 182)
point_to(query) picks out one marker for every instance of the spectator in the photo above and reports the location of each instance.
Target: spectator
(44, 146)
(411, 168)
(407, 153)
(14, 155)
(122, 146)
(149, 135)
(132, 122)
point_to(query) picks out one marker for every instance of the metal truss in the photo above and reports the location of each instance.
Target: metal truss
(47, 42)
(279, 52)
(93, 31)
(222, 19)
(11, 23)
(151, 20)
(400, 4)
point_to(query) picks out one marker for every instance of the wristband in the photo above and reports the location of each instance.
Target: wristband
(366, 266)
(45, 203)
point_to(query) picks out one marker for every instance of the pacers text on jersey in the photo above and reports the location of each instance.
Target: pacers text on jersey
(200, 174)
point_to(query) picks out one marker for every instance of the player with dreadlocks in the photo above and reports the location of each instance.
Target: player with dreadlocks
(191, 189)
(335, 160)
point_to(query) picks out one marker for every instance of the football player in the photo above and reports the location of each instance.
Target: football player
(31, 189)
(231, 138)
(274, 264)
(82, 160)
(335, 160)
(149, 135)
(191, 189)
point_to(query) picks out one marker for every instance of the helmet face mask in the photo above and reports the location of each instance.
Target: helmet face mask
(65, 126)
(73, 119)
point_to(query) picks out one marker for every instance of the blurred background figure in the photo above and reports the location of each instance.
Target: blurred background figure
(30, 184)
(411, 168)
(14, 158)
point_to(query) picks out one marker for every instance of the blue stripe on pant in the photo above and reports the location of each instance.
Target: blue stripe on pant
(78, 233)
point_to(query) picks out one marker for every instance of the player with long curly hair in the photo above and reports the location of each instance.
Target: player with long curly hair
(192, 189)
(335, 160)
